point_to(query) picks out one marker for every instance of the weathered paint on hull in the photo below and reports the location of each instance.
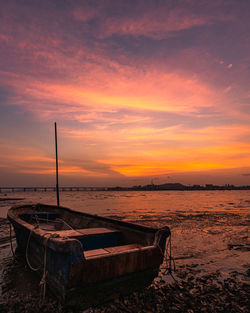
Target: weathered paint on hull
(74, 278)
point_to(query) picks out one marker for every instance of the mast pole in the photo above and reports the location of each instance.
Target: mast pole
(57, 185)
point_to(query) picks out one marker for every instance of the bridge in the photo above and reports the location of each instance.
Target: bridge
(45, 189)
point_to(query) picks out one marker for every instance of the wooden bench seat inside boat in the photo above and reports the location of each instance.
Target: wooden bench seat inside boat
(75, 233)
(108, 250)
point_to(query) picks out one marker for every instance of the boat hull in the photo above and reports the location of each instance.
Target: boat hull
(97, 256)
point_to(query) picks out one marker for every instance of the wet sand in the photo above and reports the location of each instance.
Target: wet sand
(212, 252)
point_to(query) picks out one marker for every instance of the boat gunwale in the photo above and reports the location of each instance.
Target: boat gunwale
(11, 214)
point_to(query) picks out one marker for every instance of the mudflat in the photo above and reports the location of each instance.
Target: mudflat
(212, 253)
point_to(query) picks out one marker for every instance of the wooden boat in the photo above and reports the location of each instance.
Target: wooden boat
(87, 258)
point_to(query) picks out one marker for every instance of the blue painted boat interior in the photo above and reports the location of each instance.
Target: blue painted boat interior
(89, 242)
(100, 241)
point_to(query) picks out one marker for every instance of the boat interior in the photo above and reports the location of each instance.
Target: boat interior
(97, 235)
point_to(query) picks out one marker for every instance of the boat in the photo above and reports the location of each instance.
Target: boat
(84, 258)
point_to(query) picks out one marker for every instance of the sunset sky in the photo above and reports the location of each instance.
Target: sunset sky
(141, 90)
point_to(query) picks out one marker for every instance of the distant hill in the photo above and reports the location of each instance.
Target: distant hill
(178, 186)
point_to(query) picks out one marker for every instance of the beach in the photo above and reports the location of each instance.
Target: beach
(210, 243)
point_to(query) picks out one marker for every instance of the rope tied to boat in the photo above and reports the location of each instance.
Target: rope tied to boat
(45, 272)
(27, 251)
(169, 258)
(167, 253)
(47, 237)
(11, 246)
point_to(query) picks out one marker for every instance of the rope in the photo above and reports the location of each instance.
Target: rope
(81, 245)
(26, 254)
(56, 221)
(169, 253)
(171, 260)
(37, 220)
(65, 237)
(70, 227)
(51, 235)
(11, 246)
(168, 258)
(45, 272)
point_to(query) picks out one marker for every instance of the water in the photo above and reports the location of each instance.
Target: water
(210, 229)
(134, 205)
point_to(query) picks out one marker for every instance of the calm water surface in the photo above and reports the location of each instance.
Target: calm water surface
(134, 205)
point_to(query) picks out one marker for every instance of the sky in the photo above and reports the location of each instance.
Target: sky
(142, 91)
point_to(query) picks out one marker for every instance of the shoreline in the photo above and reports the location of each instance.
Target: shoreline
(10, 199)
(163, 187)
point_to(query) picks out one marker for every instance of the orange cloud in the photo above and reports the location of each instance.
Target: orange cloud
(25, 159)
(173, 135)
(63, 170)
(190, 150)
(181, 161)
(154, 90)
